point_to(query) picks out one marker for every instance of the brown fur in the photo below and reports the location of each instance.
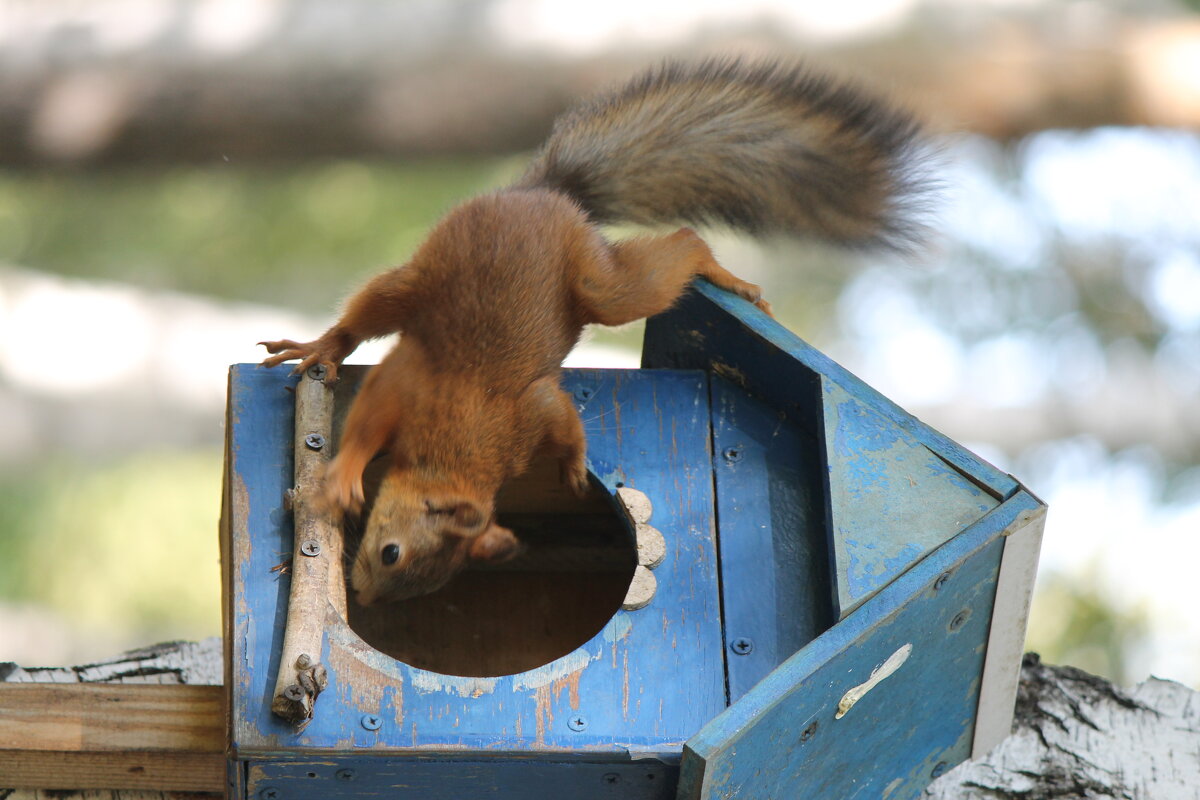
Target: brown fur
(498, 294)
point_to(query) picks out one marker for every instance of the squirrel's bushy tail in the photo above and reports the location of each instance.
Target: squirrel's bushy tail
(760, 148)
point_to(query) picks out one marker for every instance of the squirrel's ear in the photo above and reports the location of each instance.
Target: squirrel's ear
(464, 515)
(494, 544)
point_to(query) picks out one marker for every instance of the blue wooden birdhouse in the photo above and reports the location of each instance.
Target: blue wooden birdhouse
(782, 586)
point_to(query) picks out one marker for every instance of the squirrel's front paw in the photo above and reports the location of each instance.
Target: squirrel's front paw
(309, 353)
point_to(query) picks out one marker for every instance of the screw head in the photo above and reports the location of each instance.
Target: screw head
(314, 441)
(742, 645)
(611, 778)
(577, 723)
(941, 581)
(311, 547)
(939, 769)
(733, 454)
(960, 619)
(317, 372)
(584, 393)
(371, 722)
(295, 693)
(345, 775)
(268, 793)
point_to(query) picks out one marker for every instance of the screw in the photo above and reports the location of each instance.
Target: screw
(584, 393)
(577, 723)
(611, 778)
(314, 441)
(733, 454)
(317, 372)
(311, 547)
(809, 732)
(941, 581)
(742, 646)
(371, 722)
(345, 775)
(268, 793)
(295, 693)
(960, 619)
(939, 769)
(303, 661)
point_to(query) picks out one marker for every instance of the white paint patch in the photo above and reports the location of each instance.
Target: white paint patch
(618, 628)
(556, 669)
(893, 663)
(426, 682)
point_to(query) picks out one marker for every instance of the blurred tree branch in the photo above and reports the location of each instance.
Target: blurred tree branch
(397, 83)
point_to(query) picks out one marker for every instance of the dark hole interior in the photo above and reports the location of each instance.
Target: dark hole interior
(502, 619)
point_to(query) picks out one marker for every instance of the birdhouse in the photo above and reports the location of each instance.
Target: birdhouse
(781, 586)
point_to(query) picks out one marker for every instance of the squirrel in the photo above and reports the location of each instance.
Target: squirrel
(494, 299)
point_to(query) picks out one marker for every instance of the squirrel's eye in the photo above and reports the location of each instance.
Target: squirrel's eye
(390, 554)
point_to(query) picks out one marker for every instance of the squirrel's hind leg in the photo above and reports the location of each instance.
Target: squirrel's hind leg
(647, 274)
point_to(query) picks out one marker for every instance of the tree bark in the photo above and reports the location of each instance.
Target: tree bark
(1076, 735)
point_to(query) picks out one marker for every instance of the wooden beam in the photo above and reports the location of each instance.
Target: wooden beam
(112, 736)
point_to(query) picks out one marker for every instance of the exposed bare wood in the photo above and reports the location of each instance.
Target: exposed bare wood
(30, 770)
(112, 736)
(111, 717)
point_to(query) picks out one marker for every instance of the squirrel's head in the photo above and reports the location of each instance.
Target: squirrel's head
(418, 538)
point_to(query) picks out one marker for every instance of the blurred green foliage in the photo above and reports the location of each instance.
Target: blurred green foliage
(128, 547)
(1073, 622)
(298, 236)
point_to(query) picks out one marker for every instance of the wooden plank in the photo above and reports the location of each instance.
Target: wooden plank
(112, 736)
(786, 737)
(774, 555)
(111, 717)
(464, 779)
(114, 771)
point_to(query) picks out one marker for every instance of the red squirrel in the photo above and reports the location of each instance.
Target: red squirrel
(498, 294)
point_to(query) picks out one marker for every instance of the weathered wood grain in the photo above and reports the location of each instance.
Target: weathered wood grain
(40, 771)
(111, 717)
(112, 736)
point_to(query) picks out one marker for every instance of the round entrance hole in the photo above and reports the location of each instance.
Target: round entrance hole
(499, 619)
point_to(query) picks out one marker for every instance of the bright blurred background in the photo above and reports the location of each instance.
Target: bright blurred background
(179, 180)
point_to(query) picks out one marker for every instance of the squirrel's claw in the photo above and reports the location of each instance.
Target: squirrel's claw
(309, 353)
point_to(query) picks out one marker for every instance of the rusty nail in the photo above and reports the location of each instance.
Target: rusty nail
(303, 661)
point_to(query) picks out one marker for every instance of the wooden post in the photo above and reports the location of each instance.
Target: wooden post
(316, 571)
